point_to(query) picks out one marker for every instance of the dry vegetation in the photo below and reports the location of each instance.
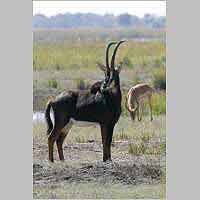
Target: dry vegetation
(138, 166)
(65, 60)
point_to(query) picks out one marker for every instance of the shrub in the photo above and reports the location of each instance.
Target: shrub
(159, 78)
(157, 62)
(159, 103)
(80, 139)
(136, 80)
(58, 67)
(124, 110)
(53, 83)
(146, 137)
(122, 136)
(35, 84)
(136, 149)
(127, 62)
(82, 85)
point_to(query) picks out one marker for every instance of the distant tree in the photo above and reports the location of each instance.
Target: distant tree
(40, 21)
(124, 19)
(159, 22)
(69, 20)
(135, 21)
(148, 20)
(109, 20)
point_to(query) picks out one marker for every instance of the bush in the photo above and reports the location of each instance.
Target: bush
(58, 67)
(124, 110)
(137, 149)
(159, 103)
(157, 62)
(82, 85)
(159, 79)
(136, 80)
(35, 82)
(53, 83)
(127, 62)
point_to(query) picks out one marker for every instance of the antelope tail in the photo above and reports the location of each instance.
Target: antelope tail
(48, 118)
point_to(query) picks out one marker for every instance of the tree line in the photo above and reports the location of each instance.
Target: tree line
(94, 20)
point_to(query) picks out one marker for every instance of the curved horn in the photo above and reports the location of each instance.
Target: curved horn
(113, 61)
(107, 57)
(114, 54)
(107, 72)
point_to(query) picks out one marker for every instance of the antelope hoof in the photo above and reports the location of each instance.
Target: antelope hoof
(51, 160)
(107, 160)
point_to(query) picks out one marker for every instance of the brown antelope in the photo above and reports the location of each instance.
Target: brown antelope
(103, 109)
(135, 99)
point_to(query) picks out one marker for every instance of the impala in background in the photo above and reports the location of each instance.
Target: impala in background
(135, 99)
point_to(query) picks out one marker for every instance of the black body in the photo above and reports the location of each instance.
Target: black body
(102, 106)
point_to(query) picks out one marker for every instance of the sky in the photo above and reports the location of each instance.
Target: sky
(138, 8)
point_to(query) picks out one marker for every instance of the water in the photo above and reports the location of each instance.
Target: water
(38, 117)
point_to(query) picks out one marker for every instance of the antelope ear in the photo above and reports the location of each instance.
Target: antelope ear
(101, 67)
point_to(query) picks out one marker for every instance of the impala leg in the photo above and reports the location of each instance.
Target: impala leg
(142, 109)
(138, 111)
(150, 106)
(132, 114)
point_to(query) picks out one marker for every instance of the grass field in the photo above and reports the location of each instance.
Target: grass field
(66, 59)
(77, 55)
(88, 35)
(61, 63)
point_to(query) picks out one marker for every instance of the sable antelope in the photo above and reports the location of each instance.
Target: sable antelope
(135, 99)
(85, 106)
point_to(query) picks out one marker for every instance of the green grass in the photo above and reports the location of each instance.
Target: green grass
(159, 103)
(82, 84)
(137, 149)
(159, 79)
(66, 59)
(92, 35)
(52, 83)
(68, 55)
(125, 129)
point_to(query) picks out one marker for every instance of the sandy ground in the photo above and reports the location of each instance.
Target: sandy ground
(84, 175)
